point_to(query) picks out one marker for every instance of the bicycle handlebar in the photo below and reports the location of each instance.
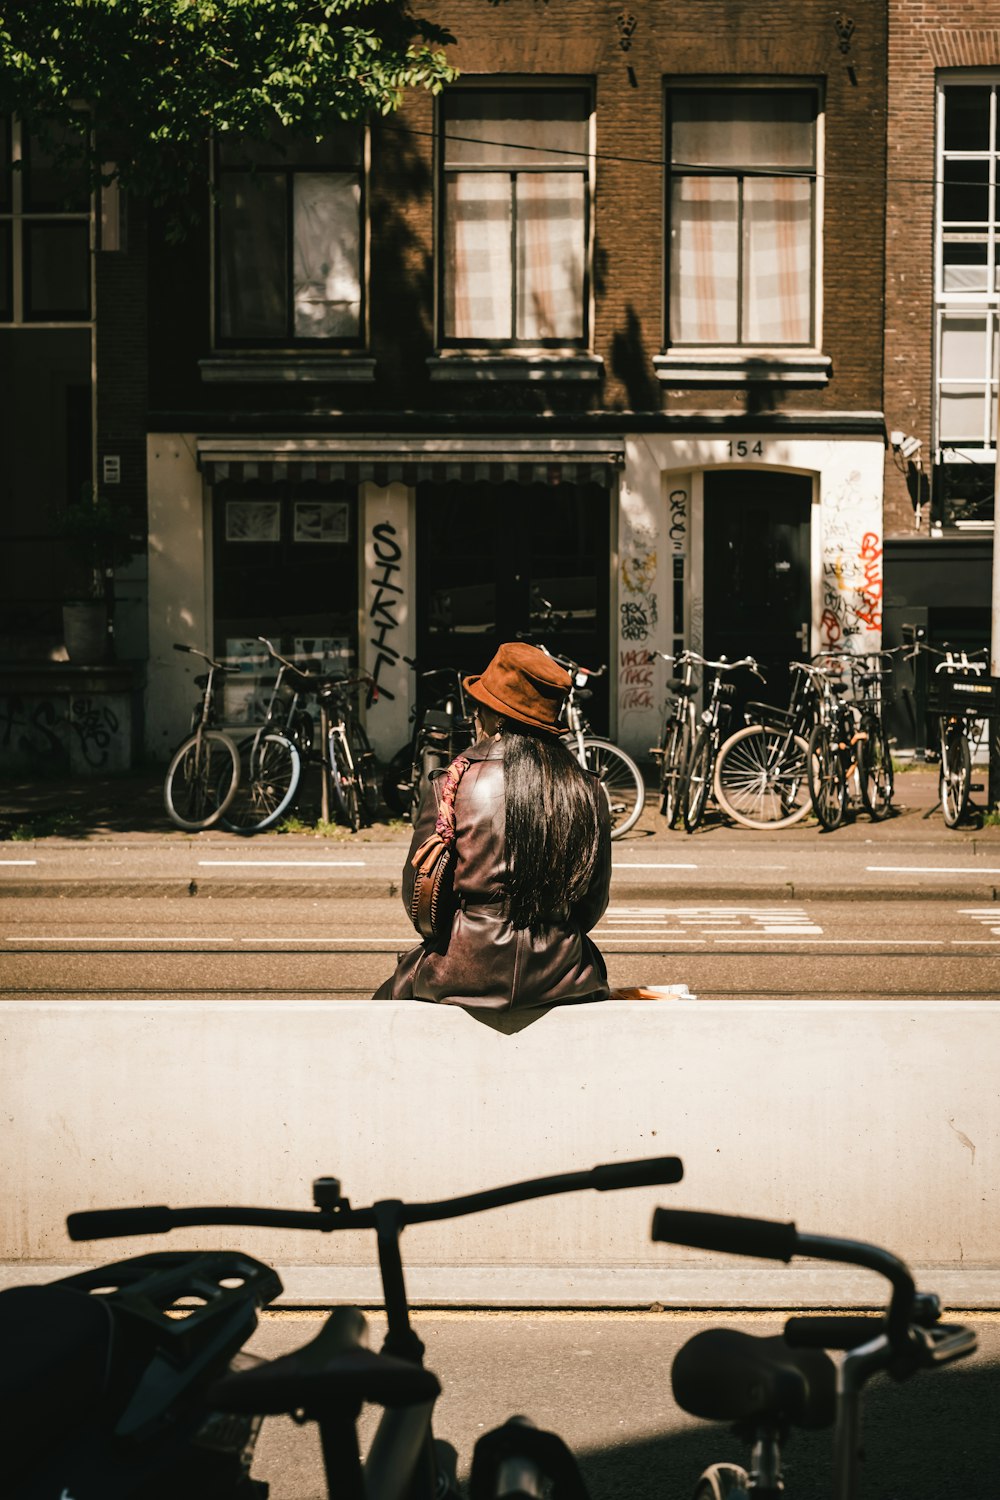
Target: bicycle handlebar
(769, 1240)
(110, 1223)
(217, 666)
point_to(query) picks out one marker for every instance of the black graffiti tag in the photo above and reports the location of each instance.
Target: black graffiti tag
(385, 602)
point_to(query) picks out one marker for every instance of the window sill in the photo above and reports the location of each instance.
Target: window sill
(477, 367)
(286, 369)
(696, 368)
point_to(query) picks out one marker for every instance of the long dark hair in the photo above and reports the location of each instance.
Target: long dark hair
(551, 828)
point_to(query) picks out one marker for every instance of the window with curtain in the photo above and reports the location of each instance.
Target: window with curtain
(742, 207)
(515, 216)
(290, 240)
(968, 266)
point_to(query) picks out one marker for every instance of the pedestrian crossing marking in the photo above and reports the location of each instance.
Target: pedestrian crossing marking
(706, 921)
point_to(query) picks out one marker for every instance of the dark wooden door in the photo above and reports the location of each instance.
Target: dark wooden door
(757, 588)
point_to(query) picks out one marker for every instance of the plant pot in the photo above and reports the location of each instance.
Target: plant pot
(85, 631)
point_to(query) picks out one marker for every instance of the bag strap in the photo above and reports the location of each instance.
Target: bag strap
(443, 836)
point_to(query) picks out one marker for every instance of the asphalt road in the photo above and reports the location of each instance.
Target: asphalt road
(342, 946)
(602, 1380)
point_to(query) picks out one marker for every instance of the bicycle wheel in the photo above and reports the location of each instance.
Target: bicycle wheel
(201, 780)
(827, 782)
(622, 782)
(366, 770)
(672, 770)
(697, 781)
(723, 1482)
(272, 767)
(761, 779)
(344, 781)
(956, 775)
(875, 771)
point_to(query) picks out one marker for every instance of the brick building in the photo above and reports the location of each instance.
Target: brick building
(597, 334)
(942, 307)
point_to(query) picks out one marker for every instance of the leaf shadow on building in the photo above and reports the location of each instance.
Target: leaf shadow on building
(631, 364)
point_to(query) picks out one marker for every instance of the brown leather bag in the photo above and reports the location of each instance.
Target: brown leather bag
(432, 904)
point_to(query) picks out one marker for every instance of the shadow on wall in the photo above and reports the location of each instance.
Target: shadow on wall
(631, 364)
(401, 255)
(765, 388)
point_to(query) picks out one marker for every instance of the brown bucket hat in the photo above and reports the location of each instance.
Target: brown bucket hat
(523, 684)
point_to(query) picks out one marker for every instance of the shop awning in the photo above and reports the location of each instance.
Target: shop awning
(471, 460)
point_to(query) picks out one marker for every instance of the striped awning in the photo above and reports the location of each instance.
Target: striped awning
(482, 460)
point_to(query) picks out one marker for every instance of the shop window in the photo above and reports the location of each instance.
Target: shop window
(967, 276)
(515, 207)
(742, 217)
(45, 212)
(285, 565)
(290, 240)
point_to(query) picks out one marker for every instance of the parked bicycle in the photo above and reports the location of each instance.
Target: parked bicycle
(275, 755)
(327, 1380)
(960, 698)
(442, 729)
(834, 742)
(699, 772)
(617, 771)
(204, 773)
(767, 1385)
(761, 774)
(678, 734)
(875, 773)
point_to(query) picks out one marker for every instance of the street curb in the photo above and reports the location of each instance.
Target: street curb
(338, 887)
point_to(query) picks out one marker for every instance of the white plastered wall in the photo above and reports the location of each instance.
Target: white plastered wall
(179, 587)
(662, 517)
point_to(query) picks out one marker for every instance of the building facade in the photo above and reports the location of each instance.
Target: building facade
(590, 346)
(942, 309)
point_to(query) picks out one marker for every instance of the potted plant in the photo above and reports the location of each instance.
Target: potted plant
(100, 533)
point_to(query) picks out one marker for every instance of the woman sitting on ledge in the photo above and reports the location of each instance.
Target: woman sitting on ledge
(532, 841)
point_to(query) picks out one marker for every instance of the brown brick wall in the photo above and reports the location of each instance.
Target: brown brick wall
(582, 38)
(923, 36)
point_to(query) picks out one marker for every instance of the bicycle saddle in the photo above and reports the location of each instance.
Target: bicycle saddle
(723, 1375)
(681, 688)
(333, 1369)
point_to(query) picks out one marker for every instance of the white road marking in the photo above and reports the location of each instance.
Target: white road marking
(283, 864)
(719, 923)
(934, 869)
(114, 938)
(18, 861)
(620, 865)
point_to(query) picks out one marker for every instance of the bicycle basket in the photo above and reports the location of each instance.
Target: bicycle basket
(770, 716)
(964, 693)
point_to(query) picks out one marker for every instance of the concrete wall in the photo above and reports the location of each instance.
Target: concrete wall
(877, 1121)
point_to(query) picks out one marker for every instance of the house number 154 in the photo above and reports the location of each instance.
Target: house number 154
(743, 449)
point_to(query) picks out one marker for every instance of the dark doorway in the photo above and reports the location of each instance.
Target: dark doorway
(757, 591)
(492, 558)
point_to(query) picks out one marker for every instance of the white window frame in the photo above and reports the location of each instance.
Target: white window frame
(985, 303)
(517, 83)
(743, 83)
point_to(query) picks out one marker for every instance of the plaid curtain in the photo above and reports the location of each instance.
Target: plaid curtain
(477, 297)
(778, 271)
(550, 224)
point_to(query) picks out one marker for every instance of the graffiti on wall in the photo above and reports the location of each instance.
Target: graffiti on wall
(851, 604)
(59, 731)
(635, 680)
(386, 591)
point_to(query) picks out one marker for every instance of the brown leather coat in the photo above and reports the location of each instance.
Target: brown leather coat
(487, 963)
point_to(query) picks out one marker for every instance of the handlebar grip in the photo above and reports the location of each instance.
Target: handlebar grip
(655, 1171)
(831, 1332)
(109, 1223)
(179, 647)
(735, 1236)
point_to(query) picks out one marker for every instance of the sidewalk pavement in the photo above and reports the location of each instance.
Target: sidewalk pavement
(110, 837)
